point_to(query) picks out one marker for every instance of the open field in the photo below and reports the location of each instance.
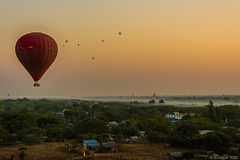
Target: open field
(147, 151)
(51, 151)
(43, 151)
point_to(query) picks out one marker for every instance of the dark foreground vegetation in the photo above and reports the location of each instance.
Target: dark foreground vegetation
(210, 128)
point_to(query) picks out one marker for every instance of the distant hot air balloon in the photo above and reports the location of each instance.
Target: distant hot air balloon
(36, 52)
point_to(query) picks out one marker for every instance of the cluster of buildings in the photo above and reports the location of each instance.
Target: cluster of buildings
(92, 144)
(174, 117)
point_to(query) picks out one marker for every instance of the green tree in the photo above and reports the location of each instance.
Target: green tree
(212, 112)
(21, 134)
(130, 131)
(217, 141)
(22, 153)
(176, 140)
(187, 130)
(234, 123)
(182, 135)
(91, 125)
(204, 123)
(74, 115)
(1, 142)
(56, 132)
(13, 125)
(30, 140)
(6, 136)
(111, 116)
(86, 136)
(103, 137)
(220, 114)
(37, 131)
(162, 128)
(234, 133)
(155, 136)
(118, 137)
(116, 129)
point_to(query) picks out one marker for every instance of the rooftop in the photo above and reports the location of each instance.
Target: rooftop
(91, 143)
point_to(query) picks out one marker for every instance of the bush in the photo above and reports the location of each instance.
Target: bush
(188, 155)
(155, 136)
(217, 141)
(100, 149)
(30, 140)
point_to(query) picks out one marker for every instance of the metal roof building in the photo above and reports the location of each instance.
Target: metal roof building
(91, 143)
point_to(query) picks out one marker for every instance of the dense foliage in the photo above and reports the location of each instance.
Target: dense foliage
(31, 121)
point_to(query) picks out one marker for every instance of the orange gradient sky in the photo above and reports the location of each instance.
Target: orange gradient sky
(171, 47)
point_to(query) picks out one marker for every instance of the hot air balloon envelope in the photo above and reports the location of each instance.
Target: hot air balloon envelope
(36, 52)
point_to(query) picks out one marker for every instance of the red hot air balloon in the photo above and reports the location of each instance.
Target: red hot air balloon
(36, 52)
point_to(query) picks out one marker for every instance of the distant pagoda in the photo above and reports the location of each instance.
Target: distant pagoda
(154, 94)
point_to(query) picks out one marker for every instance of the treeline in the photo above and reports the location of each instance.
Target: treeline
(31, 121)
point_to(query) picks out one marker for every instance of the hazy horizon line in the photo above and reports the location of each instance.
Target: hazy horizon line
(174, 95)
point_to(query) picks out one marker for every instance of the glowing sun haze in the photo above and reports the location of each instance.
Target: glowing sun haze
(167, 46)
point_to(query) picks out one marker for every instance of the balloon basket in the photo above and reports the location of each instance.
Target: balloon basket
(36, 85)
